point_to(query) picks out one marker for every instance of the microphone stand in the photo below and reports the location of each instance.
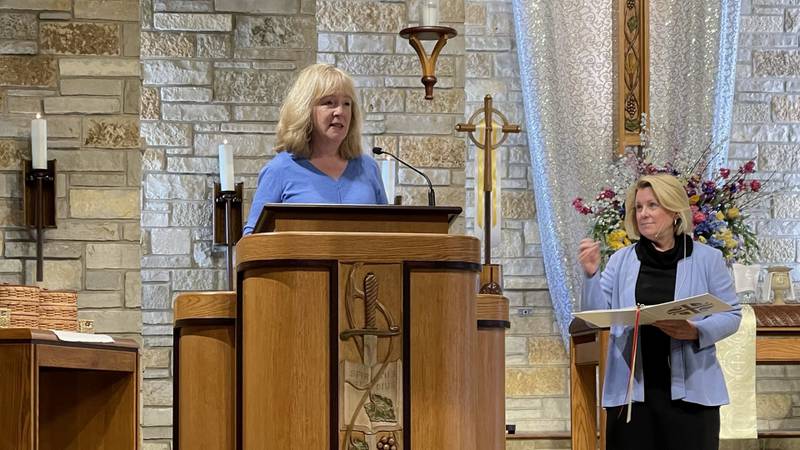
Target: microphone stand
(431, 193)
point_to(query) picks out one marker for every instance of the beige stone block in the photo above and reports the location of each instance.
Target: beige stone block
(11, 154)
(79, 39)
(367, 16)
(193, 22)
(150, 107)
(475, 14)
(536, 381)
(779, 157)
(114, 321)
(58, 274)
(10, 213)
(96, 179)
(89, 160)
(156, 357)
(124, 10)
(111, 132)
(103, 280)
(69, 230)
(51, 249)
(433, 151)
(112, 256)
(134, 170)
(170, 241)
(444, 101)
(257, 113)
(258, 6)
(174, 187)
(177, 45)
(377, 100)
(131, 232)
(96, 67)
(133, 94)
(547, 350)
(214, 46)
(157, 392)
(18, 26)
(131, 39)
(298, 32)
(28, 105)
(47, 5)
(786, 108)
(518, 205)
(157, 417)
(391, 65)
(91, 86)
(81, 104)
(248, 86)
(104, 203)
(421, 124)
(10, 265)
(89, 299)
(133, 289)
(244, 145)
(18, 47)
(774, 406)
(194, 113)
(167, 134)
(28, 71)
(176, 72)
(10, 185)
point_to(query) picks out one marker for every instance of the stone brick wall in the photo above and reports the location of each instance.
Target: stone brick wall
(77, 63)
(537, 377)
(211, 71)
(766, 125)
(361, 37)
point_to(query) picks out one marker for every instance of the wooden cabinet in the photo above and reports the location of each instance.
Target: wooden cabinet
(67, 396)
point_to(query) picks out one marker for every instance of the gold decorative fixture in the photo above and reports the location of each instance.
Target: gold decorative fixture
(632, 71)
(415, 36)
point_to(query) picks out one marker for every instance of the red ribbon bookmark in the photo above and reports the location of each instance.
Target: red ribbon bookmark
(629, 394)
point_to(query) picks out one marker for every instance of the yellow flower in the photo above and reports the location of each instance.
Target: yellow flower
(615, 245)
(694, 199)
(733, 213)
(730, 243)
(720, 215)
(617, 235)
(702, 239)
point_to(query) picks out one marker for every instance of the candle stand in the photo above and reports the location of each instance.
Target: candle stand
(227, 218)
(39, 205)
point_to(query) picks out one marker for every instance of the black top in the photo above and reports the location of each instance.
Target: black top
(656, 284)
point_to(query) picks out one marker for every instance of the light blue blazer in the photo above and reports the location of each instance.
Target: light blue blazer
(696, 374)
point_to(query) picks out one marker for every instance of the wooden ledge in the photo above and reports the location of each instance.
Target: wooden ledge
(205, 305)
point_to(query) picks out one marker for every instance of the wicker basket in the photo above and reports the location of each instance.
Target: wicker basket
(21, 300)
(58, 310)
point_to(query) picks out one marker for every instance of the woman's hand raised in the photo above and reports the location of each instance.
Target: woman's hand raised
(589, 256)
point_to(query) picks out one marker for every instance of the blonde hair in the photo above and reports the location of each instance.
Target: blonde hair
(669, 193)
(294, 124)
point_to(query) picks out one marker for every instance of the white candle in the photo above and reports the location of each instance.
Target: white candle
(429, 13)
(388, 175)
(39, 142)
(226, 166)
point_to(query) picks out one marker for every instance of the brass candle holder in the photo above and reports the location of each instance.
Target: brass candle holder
(227, 218)
(415, 36)
(780, 284)
(39, 205)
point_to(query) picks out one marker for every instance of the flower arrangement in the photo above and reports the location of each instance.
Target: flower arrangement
(717, 206)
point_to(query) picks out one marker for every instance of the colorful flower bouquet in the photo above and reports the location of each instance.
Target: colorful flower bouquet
(717, 206)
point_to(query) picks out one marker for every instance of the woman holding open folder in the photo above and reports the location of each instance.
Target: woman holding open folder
(677, 384)
(319, 156)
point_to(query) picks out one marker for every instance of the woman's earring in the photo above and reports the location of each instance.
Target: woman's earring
(675, 222)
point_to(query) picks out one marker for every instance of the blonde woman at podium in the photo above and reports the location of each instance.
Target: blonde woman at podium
(319, 157)
(677, 385)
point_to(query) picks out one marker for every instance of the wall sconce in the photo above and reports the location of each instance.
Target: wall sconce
(39, 204)
(39, 189)
(428, 30)
(228, 223)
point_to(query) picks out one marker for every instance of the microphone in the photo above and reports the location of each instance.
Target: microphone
(431, 194)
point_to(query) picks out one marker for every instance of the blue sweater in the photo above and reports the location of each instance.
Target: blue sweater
(289, 179)
(695, 371)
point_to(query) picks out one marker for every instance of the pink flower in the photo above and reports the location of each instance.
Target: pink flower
(698, 217)
(749, 166)
(724, 173)
(755, 185)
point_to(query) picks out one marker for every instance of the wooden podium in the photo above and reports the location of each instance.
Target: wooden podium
(57, 395)
(348, 339)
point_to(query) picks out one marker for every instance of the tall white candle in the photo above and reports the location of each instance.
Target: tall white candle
(429, 13)
(39, 142)
(226, 166)
(388, 175)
